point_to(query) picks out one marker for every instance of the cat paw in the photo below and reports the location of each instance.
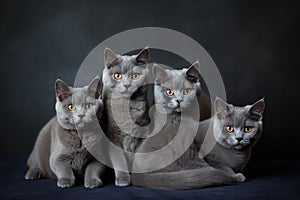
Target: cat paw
(123, 181)
(65, 182)
(93, 183)
(239, 177)
(33, 174)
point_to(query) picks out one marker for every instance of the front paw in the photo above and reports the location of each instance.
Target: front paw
(93, 183)
(123, 181)
(65, 182)
(33, 173)
(239, 177)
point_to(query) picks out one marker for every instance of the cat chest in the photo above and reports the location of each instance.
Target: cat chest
(123, 115)
(126, 108)
(79, 160)
(74, 152)
(236, 161)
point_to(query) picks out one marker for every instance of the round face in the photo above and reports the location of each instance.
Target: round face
(175, 92)
(124, 77)
(77, 110)
(236, 129)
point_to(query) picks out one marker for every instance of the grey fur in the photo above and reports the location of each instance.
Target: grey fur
(232, 151)
(177, 81)
(125, 103)
(58, 152)
(204, 176)
(189, 170)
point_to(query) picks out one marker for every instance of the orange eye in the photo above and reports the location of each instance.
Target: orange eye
(170, 92)
(135, 76)
(187, 91)
(229, 129)
(248, 129)
(117, 76)
(71, 107)
(89, 106)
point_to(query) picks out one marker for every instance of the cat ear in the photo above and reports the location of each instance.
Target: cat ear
(221, 107)
(143, 56)
(192, 73)
(109, 57)
(95, 87)
(62, 90)
(257, 109)
(159, 73)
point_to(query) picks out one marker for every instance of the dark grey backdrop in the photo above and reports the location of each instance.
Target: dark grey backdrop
(255, 44)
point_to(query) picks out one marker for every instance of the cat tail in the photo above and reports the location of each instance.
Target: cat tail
(184, 179)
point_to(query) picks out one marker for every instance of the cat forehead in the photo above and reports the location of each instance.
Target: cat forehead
(127, 59)
(238, 116)
(176, 79)
(79, 96)
(126, 65)
(235, 112)
(126, 69)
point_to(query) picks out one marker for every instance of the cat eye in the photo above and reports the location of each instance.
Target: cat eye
(89, 106)
(117, 76)
(187, 91)
(170, 92)
(71, 107)
(248, 129)
(229, 129)
(135, 76)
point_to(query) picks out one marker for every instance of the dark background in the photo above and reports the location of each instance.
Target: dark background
(255, 45)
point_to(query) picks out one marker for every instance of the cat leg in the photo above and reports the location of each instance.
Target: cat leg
(122, 178)
(129, 145)
(63, 171)
(118, 163)
(238, 177)
(227, 170)
(92, 175)
(33, 173)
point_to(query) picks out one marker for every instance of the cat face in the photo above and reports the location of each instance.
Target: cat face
(176, 89)
(123, 75)
(237, 127)
(76, 107)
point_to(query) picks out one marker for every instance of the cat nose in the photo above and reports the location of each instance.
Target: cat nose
(81, 115)
(126, 86)
(239, 139)
(179, 100)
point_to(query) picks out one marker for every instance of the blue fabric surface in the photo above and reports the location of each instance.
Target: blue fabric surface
(266, 180)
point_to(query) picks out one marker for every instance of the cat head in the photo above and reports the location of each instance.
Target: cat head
(176, 89)
(76, 107)
(124, 74)
(238, 127)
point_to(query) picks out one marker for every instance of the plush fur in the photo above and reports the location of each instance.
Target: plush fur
(125, 81)
(58, 152)
(178, 106)
(231, 150)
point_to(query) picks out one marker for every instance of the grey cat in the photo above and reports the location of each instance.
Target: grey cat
(233, 133)
(235, 130)
(125, 88)
(174, 78)
(175, 94)
(58, 152)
